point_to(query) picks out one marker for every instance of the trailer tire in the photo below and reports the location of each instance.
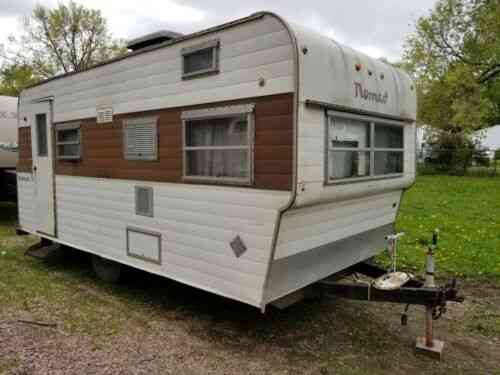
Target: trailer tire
(107, 270)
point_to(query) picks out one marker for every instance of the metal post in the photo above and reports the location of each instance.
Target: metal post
(429, 334)
(429, 265)
(428, 345)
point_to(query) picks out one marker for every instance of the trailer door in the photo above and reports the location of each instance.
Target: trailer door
(43, 172)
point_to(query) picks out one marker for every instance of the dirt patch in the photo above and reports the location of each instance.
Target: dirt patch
(198, 333)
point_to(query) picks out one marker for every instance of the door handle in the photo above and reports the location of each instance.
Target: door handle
(34, 168)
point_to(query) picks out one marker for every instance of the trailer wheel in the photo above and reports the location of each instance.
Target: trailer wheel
(107, 270)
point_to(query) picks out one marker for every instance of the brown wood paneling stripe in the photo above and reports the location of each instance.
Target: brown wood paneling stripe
(102, 146)
(25, 162)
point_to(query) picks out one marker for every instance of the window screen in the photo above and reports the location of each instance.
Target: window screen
(200, 59)
(349, 144)
(141, 138)
(41, 134)
(390, 139)
(361, 149)
(68, 141)
(218, 147)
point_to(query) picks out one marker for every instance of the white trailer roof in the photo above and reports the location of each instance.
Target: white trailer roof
(328, 73)
(334, 74)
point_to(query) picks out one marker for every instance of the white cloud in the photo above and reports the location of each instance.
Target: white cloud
(9, 25)
(376, 28)
(315, 22)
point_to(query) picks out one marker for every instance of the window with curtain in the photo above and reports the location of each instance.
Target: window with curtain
(360, 149)
(218, 148)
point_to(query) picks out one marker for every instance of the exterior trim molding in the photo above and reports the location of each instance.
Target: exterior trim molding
(231, 110)
(356, 111)
(293, 196)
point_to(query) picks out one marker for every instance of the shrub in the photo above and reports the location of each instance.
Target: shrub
(452, 153)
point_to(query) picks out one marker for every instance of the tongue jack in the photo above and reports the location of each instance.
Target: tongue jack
(428, 345)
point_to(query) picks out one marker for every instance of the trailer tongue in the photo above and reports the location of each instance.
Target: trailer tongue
(413, 292)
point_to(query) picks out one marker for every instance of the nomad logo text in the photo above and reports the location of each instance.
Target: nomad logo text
(370, 95)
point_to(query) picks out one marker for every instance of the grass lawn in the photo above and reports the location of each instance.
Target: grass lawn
(149, 324)
(466, 211)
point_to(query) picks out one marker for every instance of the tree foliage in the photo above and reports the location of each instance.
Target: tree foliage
(454, 54)
(60, 40)
(14, 78)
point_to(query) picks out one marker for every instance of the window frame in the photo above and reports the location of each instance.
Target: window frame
(372, 122)
(214, 113)
(214, 45)
(136, 121)
(42, 153)
(69, 126)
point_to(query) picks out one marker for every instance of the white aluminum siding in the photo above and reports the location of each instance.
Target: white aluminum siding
(257, 49)
(196, 223)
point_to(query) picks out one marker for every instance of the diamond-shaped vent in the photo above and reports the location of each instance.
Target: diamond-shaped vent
(238, 246)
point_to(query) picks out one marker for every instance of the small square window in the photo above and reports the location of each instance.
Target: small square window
(68, 141)
(200, 59)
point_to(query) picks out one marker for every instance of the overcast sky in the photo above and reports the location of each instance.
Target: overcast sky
(377, 28)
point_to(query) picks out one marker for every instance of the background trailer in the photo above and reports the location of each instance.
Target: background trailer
(8, 147)
(250, 160)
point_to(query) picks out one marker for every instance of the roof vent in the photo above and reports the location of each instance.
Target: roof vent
(152, 39)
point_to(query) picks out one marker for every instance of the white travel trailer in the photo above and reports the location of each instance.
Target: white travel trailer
(8, 145)
(250, 160)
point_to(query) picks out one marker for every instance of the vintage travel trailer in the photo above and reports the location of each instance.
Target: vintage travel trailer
(250, 160)
(8, 146)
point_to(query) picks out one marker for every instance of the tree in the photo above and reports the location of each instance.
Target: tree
(61, 40)
(14, 78)
(454, 55)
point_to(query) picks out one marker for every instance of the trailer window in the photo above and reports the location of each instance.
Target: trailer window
(41, 134)
(349, 143)
(360, 149)
(68, 141)
(200, 59)
(388, 158)
(218, 145)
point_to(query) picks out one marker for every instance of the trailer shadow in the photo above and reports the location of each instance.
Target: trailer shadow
(8, 216)
(169, 320)
(305, 327)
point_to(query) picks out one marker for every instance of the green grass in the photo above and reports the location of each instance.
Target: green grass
(466, 211)
(64, 286)
(344, 338)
